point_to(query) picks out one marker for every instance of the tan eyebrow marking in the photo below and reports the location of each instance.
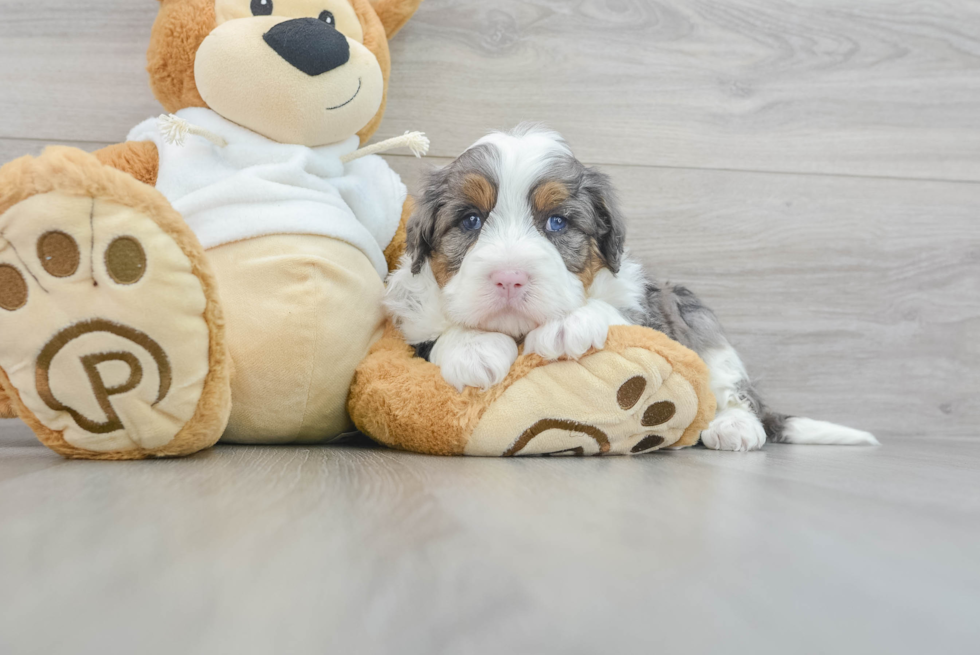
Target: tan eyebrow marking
(480, 192)
(549, 195)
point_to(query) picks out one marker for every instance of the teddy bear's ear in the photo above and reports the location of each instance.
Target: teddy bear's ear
(394, 13)
(178, 31)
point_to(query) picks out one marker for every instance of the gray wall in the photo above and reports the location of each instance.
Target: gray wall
(811, 169)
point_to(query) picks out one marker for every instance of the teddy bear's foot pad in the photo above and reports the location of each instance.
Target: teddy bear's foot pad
(624, 402)
(106, 340)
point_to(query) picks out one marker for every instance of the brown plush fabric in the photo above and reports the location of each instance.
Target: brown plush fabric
(425, 416)
(179, 29)
(395, 249)
(683, 361)
(403, 401)
(6, 407)
(138, 158)
(395, 13)
(75, 172)
(376, 41)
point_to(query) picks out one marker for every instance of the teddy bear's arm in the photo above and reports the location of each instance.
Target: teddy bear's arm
(138, 158)
(395, 249)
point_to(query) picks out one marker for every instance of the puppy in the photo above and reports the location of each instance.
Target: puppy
(518, 240)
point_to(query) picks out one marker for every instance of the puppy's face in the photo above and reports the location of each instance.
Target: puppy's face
(514, 231)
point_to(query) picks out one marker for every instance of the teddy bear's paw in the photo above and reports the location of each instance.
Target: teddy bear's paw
(624, 402)
(106, 342)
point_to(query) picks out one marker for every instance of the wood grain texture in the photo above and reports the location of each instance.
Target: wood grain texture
(310, 550)
(872, 88)
(74, 71)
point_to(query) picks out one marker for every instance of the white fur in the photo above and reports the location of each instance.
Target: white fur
(415, 303)
(624, 290)
(472, 358)
(572, 336)
(735, 427)
(587, 326)
(809, 431)
(727, 372)
(509, 240)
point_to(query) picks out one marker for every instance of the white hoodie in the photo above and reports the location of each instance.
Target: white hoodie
(255, 186)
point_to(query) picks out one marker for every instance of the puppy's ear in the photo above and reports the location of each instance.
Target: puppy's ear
(421, 230)
(610, 223)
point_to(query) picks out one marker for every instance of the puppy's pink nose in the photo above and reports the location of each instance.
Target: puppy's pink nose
(509, 281)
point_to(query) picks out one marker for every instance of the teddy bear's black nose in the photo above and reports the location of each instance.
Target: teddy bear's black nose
(310, 45)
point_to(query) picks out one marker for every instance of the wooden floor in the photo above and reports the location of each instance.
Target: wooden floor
(353, 550)
(812, 169)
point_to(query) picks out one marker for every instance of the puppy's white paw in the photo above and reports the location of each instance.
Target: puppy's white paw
(572, 336)
(734, 429)
(470, 358)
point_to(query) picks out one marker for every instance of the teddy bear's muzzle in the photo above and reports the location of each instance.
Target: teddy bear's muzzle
(309, 45)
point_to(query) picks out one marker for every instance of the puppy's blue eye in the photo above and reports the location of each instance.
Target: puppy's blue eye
(471, 223)
(557, 223)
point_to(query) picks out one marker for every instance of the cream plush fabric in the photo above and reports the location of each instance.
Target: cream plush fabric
(302, 312)
(609, 425)
(114, 341)
(255, 186)
(65, 322)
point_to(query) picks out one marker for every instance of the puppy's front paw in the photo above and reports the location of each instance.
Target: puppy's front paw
(572, 336)
(469, 358)
(734, 429)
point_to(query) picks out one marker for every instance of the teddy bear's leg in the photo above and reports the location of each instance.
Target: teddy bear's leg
(641, 393)
(113, 340)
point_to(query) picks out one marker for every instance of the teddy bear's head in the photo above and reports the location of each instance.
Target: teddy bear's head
(309, 72)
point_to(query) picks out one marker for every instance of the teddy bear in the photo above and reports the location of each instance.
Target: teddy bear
(220, 274)
(161, 293)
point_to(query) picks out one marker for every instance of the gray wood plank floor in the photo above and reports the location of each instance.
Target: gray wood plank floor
(812, 169)
(350, 550)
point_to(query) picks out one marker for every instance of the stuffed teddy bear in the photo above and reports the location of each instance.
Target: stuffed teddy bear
(220, 274)
(226, 280)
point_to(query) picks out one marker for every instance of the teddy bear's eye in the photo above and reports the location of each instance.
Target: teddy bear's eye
(261, 7)
(328, 18)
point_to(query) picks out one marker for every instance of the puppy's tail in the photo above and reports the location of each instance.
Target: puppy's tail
(791, 429)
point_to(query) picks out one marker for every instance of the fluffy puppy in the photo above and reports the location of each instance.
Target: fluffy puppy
(517, 240)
